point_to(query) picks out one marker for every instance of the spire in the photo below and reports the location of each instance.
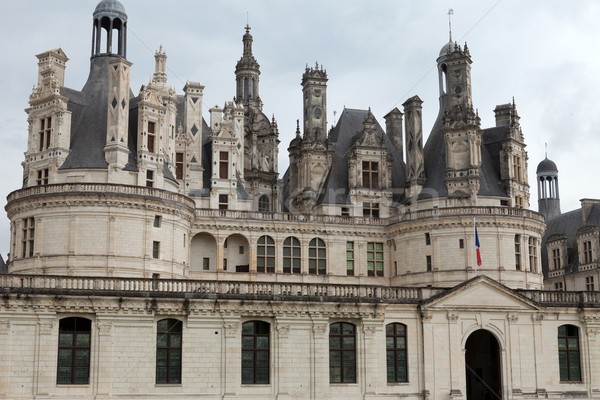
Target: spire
(247, 42)
(160, 67)
(450, 14)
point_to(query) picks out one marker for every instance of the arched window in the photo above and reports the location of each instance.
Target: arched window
(342, 353)
(568, 353)
(253, 89)
(245, 88)
(263, 204)
(395, 339)
(168, 351)
(317, 260)
(291, 255)
(265, 254)
(255, 352)
(74, 336)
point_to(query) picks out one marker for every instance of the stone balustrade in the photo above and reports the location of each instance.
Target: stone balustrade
(181, 288)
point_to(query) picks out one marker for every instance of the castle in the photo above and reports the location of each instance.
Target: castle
(154, 253)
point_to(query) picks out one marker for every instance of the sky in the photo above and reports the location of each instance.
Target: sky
(544, 53)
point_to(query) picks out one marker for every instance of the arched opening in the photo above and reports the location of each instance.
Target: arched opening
(482, 364)
(236, 254)
(203, 255)
(443, 79)
(245, 88)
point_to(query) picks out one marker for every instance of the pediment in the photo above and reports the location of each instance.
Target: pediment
(482, 293)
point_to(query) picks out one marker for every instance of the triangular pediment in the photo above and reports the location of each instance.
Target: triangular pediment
(481, 293)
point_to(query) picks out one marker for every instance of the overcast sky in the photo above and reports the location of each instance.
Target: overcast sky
(377, 54)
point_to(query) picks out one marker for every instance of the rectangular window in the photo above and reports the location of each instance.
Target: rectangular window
(255, 352)
(74, 337)
(223, 202)
(27, 241)
(518, 252)
(155, 249)
(587, 252)
(42, 177)
(205, 264)
(375, 259)
(396, 360)
(349, 258)
(427, 239)
(429, 266)
(168, 351)
(149, 178)
(558, 286)
(241, 250)
(517, 168)
(157, 220)
(568, 353)
(151, 136)
(461, 243)
(370, 174)
(225, 264)
(345, 212)
(45, 133)
(179, 165)
(589, 283)
(371, 210)
(518, 202)
(533, 257)
(556, 258)
(342, 353)
(223, 165)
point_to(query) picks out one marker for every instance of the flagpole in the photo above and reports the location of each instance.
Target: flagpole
(476, 245)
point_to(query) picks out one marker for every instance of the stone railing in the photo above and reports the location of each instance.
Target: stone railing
(468, 211)
(142, 287)
(409, 216)
(100, 188)
(563, 299)
(200, 289)
(292, 217)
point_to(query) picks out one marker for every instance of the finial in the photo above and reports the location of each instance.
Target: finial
(334, 113)
(450, 14)
(298, 128)
(546, 148)
(514, 105)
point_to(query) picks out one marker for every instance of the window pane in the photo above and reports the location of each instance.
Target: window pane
(81, 375)
(82, 358)
(348, 343)
(247, 342)
(262, 342)
(379, 246)
(335, 374)
(161, 340)
(262, 375)
(65, 339)
(334, 342)
(312, 252)
(348, 329)
(163, 325)
(83, 340)
(335, 329)
(287, 251)
(161, 357)
(296, 251)
(321, 253)
(175, 341)
(64, 357)
(63, 375)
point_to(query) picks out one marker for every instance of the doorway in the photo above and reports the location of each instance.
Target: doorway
(482, 364)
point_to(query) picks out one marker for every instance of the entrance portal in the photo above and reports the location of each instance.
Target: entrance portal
(482, 360)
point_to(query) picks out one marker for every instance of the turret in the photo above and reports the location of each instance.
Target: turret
(548, 196)
(314, 90)
(111, 17)
(247, 73)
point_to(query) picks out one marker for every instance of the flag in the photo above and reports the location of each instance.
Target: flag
(477, 246)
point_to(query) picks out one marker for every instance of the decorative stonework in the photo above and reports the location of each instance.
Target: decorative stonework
(105, 328)
(232, 329)
(452, 317)
(369, 330)
(512, 318)
(319, 330)
(46, 327)
(283, 330)
(537, 318)
(5, 326)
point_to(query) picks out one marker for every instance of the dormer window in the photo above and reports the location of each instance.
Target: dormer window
(151, 136)
(370, 174)
(45, 133)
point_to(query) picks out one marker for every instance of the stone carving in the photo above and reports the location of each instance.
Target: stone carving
(46, 327)
(232, 329)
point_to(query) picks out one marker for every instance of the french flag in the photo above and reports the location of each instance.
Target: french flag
(477, 246)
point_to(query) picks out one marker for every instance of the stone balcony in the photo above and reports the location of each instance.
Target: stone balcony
(268, 291)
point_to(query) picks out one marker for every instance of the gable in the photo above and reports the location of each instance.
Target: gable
(481, 293)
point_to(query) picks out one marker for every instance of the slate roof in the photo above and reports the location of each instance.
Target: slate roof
(342, 137)
(3, 267)
(567, 224)
(435, 161)
(88, 120)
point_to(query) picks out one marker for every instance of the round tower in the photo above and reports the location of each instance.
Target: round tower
(111, 17)
(548, 197)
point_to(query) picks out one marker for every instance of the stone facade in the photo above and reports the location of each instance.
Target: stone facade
(136, 214)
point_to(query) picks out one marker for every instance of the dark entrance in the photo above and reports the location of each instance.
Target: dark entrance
(482, 360)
